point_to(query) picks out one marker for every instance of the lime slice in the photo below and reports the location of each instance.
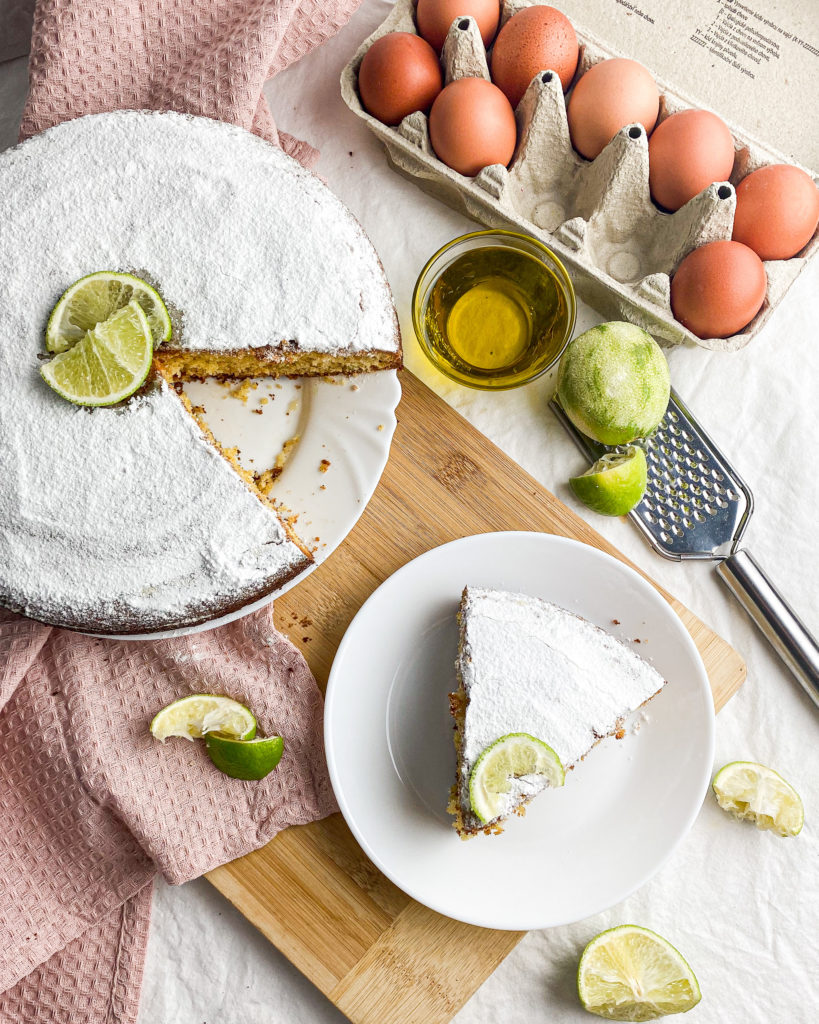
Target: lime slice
(753, 792)
(201, 713)
(108, 365)
(631, 973)
(245, 760)
(94, 299)
(508, 758)
(615, 483)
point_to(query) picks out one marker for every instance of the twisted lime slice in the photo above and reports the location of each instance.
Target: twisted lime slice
(251, 759)
(615, 483)
(754, 792)
(108, 365)
(631, 973)
(508, 758)
(202, 713)
(94, 299)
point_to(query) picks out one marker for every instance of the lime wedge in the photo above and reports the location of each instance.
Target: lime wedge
(615, 483)
(252, 759)
(94, 299)
(631, 973)
(753, 792)
(508, 758)
(108, 365)
(202, 713)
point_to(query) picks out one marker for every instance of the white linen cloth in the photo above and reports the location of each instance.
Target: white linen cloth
(742, 906)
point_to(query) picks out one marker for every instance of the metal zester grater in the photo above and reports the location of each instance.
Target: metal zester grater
(697, 506)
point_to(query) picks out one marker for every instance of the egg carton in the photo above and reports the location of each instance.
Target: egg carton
(597, 216)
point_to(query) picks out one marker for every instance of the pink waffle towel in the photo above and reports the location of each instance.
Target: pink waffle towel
(91, 806)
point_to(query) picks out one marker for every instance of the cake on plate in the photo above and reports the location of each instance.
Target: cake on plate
(130, 519)
(527, 666)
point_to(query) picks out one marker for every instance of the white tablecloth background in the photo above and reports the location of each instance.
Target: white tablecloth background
(742, 906)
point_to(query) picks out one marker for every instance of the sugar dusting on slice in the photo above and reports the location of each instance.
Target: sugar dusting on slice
(528, 665)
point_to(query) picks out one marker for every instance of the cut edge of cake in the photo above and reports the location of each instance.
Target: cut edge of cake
(465, 822)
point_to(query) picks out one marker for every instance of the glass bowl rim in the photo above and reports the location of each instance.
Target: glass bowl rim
(563, 276)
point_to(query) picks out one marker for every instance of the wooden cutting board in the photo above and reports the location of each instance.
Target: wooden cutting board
(378, 955)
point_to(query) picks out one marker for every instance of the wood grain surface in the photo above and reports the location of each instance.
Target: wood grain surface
(378, 955)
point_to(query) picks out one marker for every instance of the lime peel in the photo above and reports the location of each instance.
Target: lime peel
(248, 760)
(511, 756)
(753, 792)
(630, 973)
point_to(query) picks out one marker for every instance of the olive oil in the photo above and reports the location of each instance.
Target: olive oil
(494, 313)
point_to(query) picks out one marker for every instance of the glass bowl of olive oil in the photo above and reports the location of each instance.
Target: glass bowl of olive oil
(493, 309)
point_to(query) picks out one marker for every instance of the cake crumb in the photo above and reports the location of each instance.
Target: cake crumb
(263, 400)
(324, 465)
(242, 392)
(380, 426)
(354, 387)
(323, 487)
(636, 640)
(258, 412)
(615, 622)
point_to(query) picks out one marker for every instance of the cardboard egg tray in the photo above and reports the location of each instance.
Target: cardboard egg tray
(597, 216)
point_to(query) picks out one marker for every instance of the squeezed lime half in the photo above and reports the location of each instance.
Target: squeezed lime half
(197, 715)
(630, 973)
(754, 792)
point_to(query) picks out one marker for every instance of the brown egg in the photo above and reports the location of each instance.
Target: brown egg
(434, 18)
(471, 125)
(609, 96)
(777, 211)
(686, 153)
(718, 289)
(535, 39)
(400, 74)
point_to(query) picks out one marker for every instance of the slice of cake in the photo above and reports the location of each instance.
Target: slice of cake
(526, 666)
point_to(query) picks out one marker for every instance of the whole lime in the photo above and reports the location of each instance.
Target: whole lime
(613, 383)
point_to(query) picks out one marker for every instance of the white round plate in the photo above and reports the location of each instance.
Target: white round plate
(388, 733)
(344, 427)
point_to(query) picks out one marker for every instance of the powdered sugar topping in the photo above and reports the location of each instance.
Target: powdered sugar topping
(531, 666)
(126, 518)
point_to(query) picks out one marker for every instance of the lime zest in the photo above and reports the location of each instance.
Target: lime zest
(511, 756)
(199, 714)
(753, 792)
(631, 973)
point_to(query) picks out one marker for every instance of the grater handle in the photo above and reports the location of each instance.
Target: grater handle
(779, 623)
